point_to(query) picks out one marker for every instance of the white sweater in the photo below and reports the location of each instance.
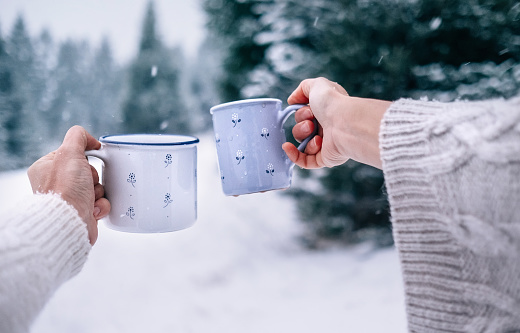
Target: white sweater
(43, 243)
(452, 172)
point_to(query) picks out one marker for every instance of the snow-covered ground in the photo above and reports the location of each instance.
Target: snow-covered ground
(239, 269)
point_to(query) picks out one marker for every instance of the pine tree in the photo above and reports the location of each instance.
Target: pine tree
(103, 85)
(203, 74)
(20, 124)
(377, 49)
(153, 103)
(234, 23)
(44, 84)
(71, 97)
(6, 104)
(46, 88)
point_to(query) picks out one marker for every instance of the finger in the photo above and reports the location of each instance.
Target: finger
(302, 130)
(305, 113)
(301, 159)
(99, 191)
(101, 208)
(314, 146)
(95, 175)
(301, 94)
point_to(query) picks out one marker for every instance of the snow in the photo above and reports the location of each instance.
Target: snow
(240, 268)
(286, 57)
(435, 23)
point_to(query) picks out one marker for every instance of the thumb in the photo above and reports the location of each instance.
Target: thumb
(301, 94)
(77, 140)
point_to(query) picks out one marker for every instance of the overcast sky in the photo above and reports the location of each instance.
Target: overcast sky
(180, 22)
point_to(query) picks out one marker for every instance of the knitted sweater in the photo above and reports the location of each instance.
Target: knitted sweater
(43, 243)
(452, 172)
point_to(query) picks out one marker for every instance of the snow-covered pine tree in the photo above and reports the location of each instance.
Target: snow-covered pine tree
(70, 100)
(153, 102)
(20, 113)
(104, 86)
(383, 49)
(45, 58)
(6, 104)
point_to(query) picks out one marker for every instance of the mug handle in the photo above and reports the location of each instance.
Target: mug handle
(99, 153)
(284, 115)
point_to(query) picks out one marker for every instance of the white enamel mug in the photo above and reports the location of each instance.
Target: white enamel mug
(150, 181)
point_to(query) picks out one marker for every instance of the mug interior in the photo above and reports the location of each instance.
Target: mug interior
(150, 139)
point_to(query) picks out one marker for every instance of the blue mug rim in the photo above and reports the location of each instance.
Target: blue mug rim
(243, 102)
(188, 140)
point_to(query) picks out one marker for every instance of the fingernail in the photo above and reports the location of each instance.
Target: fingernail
(97, 210)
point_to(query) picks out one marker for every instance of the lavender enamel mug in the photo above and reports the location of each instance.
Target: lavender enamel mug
(249, 135)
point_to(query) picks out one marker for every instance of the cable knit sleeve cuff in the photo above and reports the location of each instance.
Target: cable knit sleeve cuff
(403, 141)
(429, 261)
(55, 227)
(405, 156)
(43, 243)
(402, 135)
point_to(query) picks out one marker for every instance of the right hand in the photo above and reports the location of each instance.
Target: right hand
(67, 172)
(349, 126)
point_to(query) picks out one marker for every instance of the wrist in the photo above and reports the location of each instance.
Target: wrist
(361, 123)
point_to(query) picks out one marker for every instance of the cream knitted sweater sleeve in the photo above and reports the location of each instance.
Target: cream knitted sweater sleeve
(43, 243)
(452, 172)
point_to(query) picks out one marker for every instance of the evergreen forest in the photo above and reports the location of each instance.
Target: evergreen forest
(386, 49)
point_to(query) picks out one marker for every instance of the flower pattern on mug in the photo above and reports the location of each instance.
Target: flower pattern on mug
(130, 212)
(131, 179)
(240, 156)
(168, 160)
(167, 199)
(265, 133)
(270, 169)
(235, 120)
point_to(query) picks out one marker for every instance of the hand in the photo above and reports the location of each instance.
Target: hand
(66, 171)
(349, 126)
